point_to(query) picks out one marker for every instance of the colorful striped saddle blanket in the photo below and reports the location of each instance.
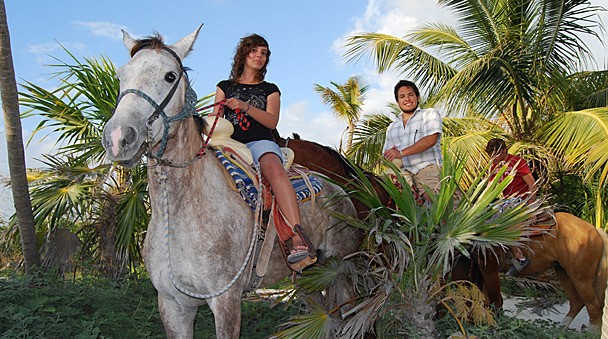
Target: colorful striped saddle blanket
(541, 224)
(247, 184)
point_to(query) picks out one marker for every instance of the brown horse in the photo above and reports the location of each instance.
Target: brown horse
(575, 249)
(329, 162)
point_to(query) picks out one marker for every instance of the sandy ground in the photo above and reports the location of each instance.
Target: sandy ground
(555, 313)
(513, 307)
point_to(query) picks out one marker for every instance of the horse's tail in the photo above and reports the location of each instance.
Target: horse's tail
(601, 274)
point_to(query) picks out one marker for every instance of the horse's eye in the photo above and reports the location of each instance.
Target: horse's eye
(170, 77)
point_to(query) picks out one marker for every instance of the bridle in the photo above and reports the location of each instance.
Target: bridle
(189, 110)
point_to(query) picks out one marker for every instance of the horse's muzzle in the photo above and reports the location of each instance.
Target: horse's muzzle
(122, 143)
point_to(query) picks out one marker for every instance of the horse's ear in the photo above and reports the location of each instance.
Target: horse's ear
(184, 46)
(128, 41)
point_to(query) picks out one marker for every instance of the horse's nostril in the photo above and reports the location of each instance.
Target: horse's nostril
(130, 136)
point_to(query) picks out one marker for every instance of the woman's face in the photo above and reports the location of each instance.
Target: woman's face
(256, 59)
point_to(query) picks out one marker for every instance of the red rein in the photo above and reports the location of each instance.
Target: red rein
(243, 123)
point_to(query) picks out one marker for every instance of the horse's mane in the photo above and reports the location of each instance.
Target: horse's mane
(200, 123)
(349, 168)
(151, 42)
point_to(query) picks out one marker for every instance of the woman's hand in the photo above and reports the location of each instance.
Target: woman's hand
(234, 104)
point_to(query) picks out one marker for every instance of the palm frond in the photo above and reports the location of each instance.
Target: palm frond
(388, 52)
(316, 324)
(580, 137)
(368, 140)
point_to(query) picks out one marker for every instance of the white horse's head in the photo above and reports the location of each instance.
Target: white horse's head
(153, 86)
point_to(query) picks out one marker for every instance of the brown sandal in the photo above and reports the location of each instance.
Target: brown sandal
(297, 253)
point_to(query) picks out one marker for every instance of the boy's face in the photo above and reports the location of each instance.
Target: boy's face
(407, 99)
(498, 156)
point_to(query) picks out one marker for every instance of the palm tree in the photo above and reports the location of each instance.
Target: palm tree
(507, 58)
(14, 142)
(509, 67)
(73, 191)
(346, 103)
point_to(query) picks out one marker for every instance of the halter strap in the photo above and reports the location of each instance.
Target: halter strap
(165, 101)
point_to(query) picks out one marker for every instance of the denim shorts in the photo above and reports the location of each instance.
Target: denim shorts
(261, 147)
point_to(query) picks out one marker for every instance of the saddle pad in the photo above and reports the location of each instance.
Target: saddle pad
(244, 183)
(540, 224)
(299, 184)
(247, 185)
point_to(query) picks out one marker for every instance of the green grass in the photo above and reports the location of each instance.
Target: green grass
(102, 309)
(98, 308)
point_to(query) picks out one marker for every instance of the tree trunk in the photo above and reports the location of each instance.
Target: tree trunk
(351, 133)
(14, 144)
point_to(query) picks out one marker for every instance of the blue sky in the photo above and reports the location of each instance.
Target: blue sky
(305, 38)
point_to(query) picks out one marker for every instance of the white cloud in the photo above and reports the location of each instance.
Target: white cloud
(45, 52)
(379, 96)
(40, 144)
(383, 16)
(396, 24)
(392, 17)
(323, 128)
(102, 28)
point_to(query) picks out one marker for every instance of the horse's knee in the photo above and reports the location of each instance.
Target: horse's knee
(178, 320)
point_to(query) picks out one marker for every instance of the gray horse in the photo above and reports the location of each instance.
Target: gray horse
(201, 232)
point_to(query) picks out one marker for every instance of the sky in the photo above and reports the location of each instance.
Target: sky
(306, 39)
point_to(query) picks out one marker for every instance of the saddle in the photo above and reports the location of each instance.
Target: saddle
(539, 224)
(221, 138)
(238, 162)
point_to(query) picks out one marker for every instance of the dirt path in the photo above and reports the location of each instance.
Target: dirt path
(556, 313)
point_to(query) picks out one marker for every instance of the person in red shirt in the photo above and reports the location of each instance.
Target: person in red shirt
(523, 186)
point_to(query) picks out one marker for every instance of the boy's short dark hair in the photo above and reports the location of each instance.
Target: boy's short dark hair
(406, 83)
(495, 145)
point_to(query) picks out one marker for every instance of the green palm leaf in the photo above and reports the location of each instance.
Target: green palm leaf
(419, 244)
(346, 103)
(316, 324)
(581, 137)
(389, 52)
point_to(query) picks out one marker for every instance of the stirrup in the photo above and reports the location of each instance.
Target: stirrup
(297, 253)
(308, 258)
(312, 252)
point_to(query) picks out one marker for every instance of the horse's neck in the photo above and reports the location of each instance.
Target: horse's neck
(194, 179)
(184, 145)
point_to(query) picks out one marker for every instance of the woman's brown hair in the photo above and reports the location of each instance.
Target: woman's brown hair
(242, 50)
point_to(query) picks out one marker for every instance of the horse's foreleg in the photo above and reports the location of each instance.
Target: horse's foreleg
(491, 280)
(227, 312)
(178, 319)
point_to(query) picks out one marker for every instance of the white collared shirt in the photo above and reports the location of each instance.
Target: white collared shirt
(423, 122)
